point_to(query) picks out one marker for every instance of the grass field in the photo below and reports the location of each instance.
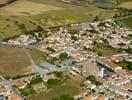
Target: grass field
(126, 21)
(38, 56)
(68, 87)
(26, 8)
(13, 61)
(9, 28)
(45, 13)
(127, 5)
(70, 14)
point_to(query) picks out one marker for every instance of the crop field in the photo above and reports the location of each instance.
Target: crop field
(26, 8)
(14, 61)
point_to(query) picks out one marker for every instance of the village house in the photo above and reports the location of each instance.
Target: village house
(47, 77)
(20, 84)
(109, 64)
(120, 81)
(14, 96)
(4, 91)
(79, 55)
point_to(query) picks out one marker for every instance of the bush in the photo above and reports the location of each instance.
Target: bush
(74, 38)
(58, 74)
(100, 53)
(50, 49)
(53, 82)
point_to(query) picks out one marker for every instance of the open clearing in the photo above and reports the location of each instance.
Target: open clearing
(14, 61)
(127, 5)
(68, 87)
(26, 8)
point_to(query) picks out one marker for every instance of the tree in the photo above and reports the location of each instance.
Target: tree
(96, 18)
(100, 53)
(129, 65)
(58, 74)
(39, 29)
(129, 50)
(93, 80)
(115, 16)
(74, 38)
(63, 56)
(22, 26)
(50, 49)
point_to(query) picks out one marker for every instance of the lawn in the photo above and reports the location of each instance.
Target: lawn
(14, 61)
(68, 87)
